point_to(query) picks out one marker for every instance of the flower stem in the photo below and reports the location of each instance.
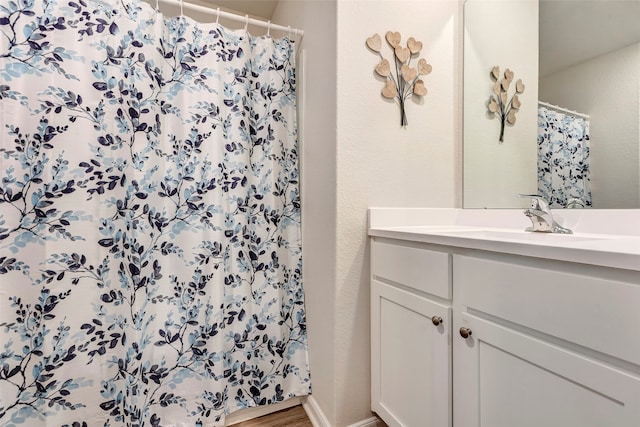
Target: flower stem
(403, 114)
(401, 91)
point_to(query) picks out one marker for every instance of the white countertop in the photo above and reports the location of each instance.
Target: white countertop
(452, 227)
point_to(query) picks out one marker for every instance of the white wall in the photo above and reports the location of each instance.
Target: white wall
(607, 88)
(355, 155)
(317, 122)
(504, 34)
(379, 163)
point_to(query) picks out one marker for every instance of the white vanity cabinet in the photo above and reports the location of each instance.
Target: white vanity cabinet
(546, 343)
(551, 344)
(411, 335)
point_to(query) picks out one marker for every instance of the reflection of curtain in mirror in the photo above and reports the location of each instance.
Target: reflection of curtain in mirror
(563, 159)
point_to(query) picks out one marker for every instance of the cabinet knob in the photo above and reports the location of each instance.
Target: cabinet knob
(436, 320)
(465, 332)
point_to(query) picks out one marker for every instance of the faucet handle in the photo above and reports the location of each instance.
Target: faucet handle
(537, 201)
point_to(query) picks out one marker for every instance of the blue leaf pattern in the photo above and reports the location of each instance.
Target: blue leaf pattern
(150, 250)
(563, 159)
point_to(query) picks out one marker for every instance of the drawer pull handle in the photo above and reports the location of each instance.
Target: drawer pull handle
(465, 332)
(436, 320)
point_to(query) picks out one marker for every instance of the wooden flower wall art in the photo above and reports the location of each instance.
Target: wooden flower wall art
(402, 80)
(499, 103)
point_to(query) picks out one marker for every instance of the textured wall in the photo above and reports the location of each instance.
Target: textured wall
(379, 163)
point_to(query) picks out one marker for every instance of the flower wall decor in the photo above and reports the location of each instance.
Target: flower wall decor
(499, 102)
(406, 82)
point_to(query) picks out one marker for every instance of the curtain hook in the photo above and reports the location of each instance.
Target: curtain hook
(246, 22)
(217, 16)
(268, 28)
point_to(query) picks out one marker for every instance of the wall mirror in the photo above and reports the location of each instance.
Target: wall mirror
(577, 133)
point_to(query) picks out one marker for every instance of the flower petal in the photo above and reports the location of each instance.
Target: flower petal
(402, 53)
(389, 91)
(423, 67)
(414, 45)
(495, 73)
(375, 42)
(408, 73)
(493, 105)
(393, 38)
(383, 68)
(419, 89)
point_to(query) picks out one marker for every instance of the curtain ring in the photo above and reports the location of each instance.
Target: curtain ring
(268, 28)
(246, 22)
(217, 16)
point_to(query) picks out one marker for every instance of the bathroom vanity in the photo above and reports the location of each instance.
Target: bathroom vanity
(477, 325)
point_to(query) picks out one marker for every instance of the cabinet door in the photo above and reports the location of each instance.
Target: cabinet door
(504, 378)
(411, 358)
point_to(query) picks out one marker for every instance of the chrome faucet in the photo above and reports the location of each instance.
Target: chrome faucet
(541, 218)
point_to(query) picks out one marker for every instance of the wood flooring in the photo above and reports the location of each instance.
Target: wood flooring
(292, 417)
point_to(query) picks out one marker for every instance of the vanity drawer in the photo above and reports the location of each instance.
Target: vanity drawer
(597, 313)
(412, 266)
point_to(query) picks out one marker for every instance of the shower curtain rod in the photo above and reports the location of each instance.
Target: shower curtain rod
(563, 110)
(232, 16)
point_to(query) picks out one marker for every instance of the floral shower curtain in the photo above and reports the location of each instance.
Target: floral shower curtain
(150, 258)
(563, 159)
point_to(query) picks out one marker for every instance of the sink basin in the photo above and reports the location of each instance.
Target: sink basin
(520, 236)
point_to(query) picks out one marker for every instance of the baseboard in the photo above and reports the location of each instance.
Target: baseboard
(319, 419)
(369, 422)
(258, 411)
(315, 414)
